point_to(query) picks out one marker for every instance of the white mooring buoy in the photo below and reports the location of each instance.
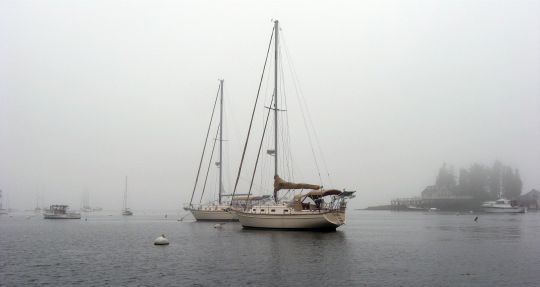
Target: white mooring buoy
(161, 240)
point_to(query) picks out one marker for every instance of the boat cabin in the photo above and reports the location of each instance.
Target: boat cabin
(58, 209)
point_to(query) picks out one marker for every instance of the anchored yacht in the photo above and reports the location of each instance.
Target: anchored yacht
(60, 212)
(313, 207)
(503, 205)
(220, 209)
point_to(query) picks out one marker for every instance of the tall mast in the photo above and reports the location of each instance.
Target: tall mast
(125, 195)
(276, 40)
(221, 141)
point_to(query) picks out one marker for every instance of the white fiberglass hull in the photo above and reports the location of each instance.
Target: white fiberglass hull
(62, 216)
(293, 221)
(516, 209)
(214, 215)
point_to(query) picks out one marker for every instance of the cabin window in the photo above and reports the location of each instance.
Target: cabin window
(262, 210)
(254, 209)
(285, 210)
(273, 210)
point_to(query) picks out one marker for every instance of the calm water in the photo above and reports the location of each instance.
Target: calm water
(375, 248)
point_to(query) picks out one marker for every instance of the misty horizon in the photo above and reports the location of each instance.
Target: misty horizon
(93, 92)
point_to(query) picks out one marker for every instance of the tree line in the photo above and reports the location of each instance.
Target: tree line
(481, 182)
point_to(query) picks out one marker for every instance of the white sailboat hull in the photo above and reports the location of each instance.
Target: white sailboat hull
(214, 215)
(293, 221)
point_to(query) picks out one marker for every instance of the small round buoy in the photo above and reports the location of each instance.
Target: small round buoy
(161, 240)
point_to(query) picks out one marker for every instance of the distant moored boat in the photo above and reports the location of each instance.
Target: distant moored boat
(502, 205)
(59, 211)
(125, 210)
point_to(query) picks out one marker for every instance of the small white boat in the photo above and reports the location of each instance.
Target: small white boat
(502, 205)
(60, 212)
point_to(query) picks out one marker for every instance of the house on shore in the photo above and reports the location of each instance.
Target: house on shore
(531, 199)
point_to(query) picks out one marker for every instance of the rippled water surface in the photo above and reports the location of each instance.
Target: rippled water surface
(375, 248)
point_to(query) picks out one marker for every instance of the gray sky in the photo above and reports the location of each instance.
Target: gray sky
(91, 91)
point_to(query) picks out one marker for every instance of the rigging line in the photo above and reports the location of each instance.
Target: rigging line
(259, 152)
(252, 116)
(305, 122)
(260, 187)
(283, 135)
(286, 135)
(310, 118)
(301, 100)
(204, 148)
(209, 164)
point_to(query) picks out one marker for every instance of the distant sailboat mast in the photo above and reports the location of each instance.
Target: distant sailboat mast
(125, 195)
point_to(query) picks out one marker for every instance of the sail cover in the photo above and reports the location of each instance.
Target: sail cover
(252, 197)
(282, 184)
(314, 194)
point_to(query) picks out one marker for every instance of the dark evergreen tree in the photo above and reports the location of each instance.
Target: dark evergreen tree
(511, 183)
(463, 186)
(478, 182)
(446, 178)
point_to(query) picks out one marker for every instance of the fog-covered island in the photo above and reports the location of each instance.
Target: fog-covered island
(468, 189)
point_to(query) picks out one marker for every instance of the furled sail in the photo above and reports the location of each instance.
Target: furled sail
(282, 184)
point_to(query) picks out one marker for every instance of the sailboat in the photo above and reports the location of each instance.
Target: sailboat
(317, 209)
(86, 202)
(2, 209)
(125, 210)
(37, 209)
(218, 210)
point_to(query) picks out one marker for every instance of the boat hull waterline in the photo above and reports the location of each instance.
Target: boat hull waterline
(213, 215)
(517, 209)
(308, 221)
(62, 216)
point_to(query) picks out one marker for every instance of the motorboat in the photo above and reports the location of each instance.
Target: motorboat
(60, 212)
(503, 205)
